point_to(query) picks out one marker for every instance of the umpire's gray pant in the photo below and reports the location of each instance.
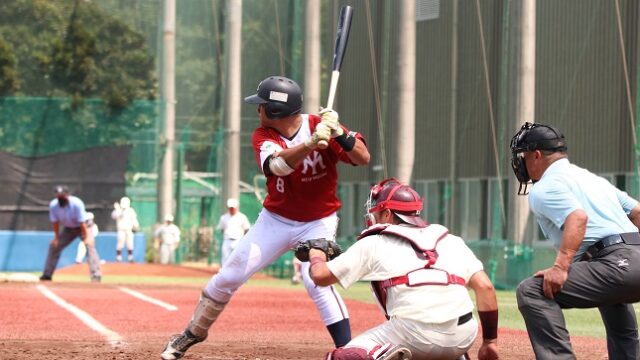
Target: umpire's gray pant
(67, 235)
(610, 282)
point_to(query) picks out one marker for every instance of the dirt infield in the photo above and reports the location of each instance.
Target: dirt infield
(144, 270)
(259, 323)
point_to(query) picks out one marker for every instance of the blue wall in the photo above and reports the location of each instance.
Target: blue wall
(27, 250)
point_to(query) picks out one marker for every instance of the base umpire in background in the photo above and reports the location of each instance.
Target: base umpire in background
(68, 219)
(595, 228)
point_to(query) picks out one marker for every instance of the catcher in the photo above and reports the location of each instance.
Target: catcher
(419, 274)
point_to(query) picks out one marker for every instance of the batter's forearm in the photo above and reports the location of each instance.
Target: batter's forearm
(360, 154)
(295, 155)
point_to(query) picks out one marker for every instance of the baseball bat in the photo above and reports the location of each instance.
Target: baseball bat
(342, 37)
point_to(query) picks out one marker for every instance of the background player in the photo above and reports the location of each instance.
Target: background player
(233, 225)
(301, 204)
(168, 237)
(93, 229)
(68, 219)
(126, 223)
(419, 274)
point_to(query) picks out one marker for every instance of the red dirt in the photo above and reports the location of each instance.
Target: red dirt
(259, 323)
(142, 270)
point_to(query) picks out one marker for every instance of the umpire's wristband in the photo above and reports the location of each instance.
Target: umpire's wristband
(347, 141)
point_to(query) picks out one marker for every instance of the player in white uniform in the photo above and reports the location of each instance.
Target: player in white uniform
(126, 223)
(168, 235)
(419, 274)
(234, 225)
(301, 204)
(93, 229)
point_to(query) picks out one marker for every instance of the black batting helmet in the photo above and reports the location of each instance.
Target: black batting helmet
(401, 199)
(282, 96)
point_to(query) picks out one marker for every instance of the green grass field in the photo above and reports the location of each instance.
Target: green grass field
(580, 322)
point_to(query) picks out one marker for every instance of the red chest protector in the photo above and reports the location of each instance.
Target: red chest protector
(424, 241)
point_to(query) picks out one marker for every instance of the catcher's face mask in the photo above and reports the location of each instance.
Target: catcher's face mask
(532, 137)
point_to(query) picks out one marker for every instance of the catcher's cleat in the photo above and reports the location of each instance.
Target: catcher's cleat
(178, 345)
(397, 352)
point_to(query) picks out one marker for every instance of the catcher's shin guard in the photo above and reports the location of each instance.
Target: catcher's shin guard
(204, 316)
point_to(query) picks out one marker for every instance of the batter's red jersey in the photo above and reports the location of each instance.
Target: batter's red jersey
(309, 193)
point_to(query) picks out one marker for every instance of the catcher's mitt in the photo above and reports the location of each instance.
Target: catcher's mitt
(330, 248)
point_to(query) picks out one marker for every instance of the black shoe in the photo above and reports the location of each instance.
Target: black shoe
(45, 278)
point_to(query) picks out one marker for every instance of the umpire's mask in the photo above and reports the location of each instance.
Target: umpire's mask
(533, 137)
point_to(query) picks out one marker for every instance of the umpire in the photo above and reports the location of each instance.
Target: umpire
(594, 226)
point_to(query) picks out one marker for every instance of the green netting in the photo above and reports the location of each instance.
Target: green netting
(200, 206)
(44, 126)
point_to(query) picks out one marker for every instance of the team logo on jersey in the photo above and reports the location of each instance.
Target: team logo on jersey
(314, 162)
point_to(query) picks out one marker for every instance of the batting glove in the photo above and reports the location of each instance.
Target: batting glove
(331, 118)
(322, 132)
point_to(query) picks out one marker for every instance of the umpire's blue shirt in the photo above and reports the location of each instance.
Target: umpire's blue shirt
(70, 216)
(564, 188)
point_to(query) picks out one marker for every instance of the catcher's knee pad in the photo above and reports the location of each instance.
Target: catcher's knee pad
(204, 316)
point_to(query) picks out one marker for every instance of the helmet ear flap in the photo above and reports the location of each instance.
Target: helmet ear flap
(276, 110)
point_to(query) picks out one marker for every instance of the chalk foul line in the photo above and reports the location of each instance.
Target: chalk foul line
(112, 337)
(149, 299)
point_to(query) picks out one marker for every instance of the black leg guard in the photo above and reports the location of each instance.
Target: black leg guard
(340, 332)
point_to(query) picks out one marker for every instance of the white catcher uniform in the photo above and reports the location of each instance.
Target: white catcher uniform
(424, 318)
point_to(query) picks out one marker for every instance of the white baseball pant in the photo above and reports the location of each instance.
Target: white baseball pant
(426, 341)
(268, 239)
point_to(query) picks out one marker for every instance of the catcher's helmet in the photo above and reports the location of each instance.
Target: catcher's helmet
(533, 137)
(401, 199)
(282, 97)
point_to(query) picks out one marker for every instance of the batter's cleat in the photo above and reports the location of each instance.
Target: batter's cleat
(178, 345)
(397, 352)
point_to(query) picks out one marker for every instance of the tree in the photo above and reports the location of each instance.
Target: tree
(8, 77)
(74, 48)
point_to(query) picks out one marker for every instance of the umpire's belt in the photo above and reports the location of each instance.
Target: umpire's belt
(632, 238)
(464, 318)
